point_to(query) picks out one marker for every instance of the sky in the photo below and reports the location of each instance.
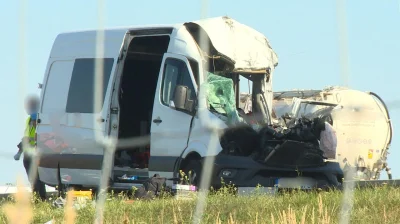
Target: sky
(304, 34)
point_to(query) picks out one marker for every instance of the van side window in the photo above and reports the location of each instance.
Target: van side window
(81, 89)
(56, 86)
(175, 73)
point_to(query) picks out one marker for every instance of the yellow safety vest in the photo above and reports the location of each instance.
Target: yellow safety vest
(30, 132)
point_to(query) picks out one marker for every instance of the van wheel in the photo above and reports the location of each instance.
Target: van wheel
(193, 172)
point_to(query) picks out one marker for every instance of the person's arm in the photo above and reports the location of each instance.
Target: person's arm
(17, 156)
(19, 147)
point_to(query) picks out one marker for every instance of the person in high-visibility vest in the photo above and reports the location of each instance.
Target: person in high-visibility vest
(27, 145)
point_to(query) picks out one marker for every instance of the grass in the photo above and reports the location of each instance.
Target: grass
(379, 205)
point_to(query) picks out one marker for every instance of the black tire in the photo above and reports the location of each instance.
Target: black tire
(194, 167)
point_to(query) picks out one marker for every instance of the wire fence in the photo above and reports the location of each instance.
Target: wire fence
(110, 144)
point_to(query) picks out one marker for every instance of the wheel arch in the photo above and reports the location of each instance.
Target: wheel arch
(193, 155)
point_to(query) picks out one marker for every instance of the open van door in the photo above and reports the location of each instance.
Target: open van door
(69, 121)
(172, 112)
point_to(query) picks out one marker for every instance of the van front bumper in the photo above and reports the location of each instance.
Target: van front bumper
(245, 172)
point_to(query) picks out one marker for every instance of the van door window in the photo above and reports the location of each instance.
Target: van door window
(82, 86)
(175, 73)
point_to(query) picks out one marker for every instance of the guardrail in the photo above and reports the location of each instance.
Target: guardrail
(360, 184)
(10, 195)
(375, 183)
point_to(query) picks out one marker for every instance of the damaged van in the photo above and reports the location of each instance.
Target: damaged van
(178, 84)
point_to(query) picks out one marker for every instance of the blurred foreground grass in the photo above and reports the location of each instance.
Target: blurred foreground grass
(379, 205)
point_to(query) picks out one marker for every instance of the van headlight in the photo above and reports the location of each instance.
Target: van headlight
(228, 173)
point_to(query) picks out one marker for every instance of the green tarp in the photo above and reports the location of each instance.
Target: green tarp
(221, 97)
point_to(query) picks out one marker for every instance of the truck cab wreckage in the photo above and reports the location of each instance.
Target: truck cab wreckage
(361, 121)
(255, 151)
(252, 149)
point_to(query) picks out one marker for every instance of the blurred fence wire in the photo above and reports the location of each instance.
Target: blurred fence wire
(347, 200)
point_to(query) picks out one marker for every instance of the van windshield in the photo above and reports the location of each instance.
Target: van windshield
(221, 97)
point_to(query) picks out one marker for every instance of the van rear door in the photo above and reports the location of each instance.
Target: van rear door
(69, 121)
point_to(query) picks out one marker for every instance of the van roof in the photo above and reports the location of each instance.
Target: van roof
(125, 28)
(248, 48)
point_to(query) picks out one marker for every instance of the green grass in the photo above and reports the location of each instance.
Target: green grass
(379, 205)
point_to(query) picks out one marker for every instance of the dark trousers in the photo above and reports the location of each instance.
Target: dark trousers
(38, 186)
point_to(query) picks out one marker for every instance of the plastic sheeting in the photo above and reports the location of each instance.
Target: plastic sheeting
(245, 102)
(328, 141)
(249, 48)
(221, 97)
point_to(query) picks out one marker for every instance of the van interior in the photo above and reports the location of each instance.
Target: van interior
(136, 98)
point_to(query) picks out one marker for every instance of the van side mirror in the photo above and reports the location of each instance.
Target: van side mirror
(182, 99)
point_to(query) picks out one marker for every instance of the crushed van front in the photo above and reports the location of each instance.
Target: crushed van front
(253, 151)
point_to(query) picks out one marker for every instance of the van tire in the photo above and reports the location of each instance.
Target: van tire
(195, 167)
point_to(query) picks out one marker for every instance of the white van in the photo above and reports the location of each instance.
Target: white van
(151, 82)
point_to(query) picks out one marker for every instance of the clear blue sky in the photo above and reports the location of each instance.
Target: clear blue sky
(303, 33)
